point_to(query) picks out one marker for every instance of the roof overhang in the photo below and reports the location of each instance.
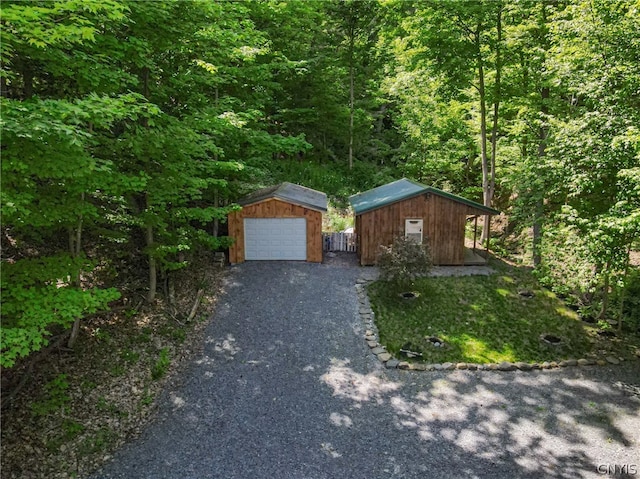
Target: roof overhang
(404, 189)
(289, 193)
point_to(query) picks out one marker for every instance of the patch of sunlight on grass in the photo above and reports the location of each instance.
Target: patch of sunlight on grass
(567, 312)
(476, 350)
(507, 279)
(476, 307)
(503, 292)
(473, 349)
(507, 354)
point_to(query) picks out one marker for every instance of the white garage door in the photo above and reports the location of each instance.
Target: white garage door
(275, 238)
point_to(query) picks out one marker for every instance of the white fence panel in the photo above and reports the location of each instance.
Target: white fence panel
(339, 242)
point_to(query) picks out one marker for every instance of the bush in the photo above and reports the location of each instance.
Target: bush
(404, 261)
(631, 301)
(37, 295)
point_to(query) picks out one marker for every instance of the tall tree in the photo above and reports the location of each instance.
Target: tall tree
(596, 149)
(459, 45)
(531, 102)
(49, 177)
(83, 154)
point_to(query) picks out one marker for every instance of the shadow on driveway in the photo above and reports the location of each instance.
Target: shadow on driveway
(287, 388)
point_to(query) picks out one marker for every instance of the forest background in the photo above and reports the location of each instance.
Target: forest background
(129, 129)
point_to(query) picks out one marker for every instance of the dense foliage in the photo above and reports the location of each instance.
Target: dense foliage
(129, 129)
(403, 261)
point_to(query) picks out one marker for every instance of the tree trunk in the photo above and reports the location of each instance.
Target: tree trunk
(605, 291)
(75, 246)
(623, 293)
(216, 222)
(27, 79)
(171, 288)
(153, 273)
(4, 93)
(543, 132)
(153, 268)
(496, 110)
(483, 136)
(351, 94)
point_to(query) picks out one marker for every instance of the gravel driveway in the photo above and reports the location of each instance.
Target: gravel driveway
(287, 388)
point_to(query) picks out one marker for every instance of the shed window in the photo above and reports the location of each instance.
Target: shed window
(413, 230)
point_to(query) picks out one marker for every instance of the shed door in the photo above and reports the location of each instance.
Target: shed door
(275, 239)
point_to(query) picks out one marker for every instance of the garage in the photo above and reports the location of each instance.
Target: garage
(282, 222)
(275, 239)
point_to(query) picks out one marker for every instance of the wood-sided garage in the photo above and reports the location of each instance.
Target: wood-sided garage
(282, 222)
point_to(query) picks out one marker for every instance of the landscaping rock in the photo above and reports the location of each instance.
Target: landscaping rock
(612, 360)
(378, 350)
(372, 344)
(403, 365)
(448, 366)
(462, 366)
(585, 362)
(384, 357)
(505, 366)
(522, 366)
(392, 364)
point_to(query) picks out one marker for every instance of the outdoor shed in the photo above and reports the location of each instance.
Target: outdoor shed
(282, 222)
(421, 212)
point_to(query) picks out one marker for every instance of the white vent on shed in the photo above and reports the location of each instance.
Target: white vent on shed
(413, 230)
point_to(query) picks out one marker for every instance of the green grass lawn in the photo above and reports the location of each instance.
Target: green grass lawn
(481, 319)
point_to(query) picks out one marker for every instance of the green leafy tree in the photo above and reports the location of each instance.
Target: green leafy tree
(596, 146)
(458, 46)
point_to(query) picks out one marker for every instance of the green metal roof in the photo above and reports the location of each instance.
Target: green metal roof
(291, 193)
(401, 190)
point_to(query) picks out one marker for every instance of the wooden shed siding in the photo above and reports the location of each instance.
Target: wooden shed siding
(274, 208)
(444, 226)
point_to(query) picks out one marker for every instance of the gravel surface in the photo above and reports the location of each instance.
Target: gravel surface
(287, 388)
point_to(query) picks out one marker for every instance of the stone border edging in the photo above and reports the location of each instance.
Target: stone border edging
(371, 337)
